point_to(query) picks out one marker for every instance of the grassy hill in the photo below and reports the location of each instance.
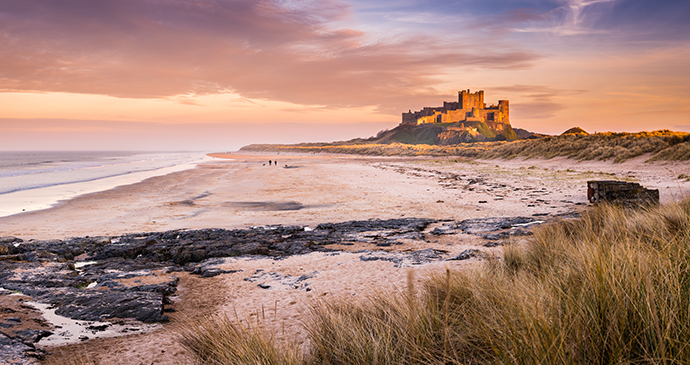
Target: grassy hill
(662, 145)
(443, 134)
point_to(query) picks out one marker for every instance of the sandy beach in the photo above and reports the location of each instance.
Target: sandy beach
(244, 191)
(241, 190)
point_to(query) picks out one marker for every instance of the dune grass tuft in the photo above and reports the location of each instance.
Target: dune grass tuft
(219, 340)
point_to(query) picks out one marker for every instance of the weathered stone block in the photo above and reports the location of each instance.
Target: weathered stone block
(620, 192)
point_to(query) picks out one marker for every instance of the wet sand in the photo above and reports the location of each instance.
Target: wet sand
(242, 190)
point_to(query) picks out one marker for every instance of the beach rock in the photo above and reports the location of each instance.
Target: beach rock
(208, 269)
(31, 336)
(507, 233)
(60, 285)
(467, 254)
(382, 233)
(95, 305)
(483, 225)
(493, 228)
(98, 305)
(10, 240)
(403, 259)
(181, 247)
(14, 351)
(275, 281)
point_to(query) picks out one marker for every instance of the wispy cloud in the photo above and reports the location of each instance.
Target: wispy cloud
(541, 92)
(539, 101)
(572, 17)
(630, 20)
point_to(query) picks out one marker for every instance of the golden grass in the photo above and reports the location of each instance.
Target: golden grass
(661, 145)
(601, 146)
(64, 358)
(612, 287)
(219, 340)
(470, 150)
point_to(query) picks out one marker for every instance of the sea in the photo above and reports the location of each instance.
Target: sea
(34, 180)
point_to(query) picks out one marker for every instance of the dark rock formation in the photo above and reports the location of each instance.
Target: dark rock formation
(467, 254)
(131, 277)
(493, 228)
(403, 259)
(15, 351)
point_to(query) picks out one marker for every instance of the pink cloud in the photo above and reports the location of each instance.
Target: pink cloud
(539, 100)
(286, 51)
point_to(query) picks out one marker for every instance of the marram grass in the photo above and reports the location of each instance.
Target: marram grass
(219, 340)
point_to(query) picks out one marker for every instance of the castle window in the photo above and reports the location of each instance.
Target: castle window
(489, 116)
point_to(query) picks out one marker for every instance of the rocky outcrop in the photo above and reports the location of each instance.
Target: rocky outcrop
(131, 277)
(14, 351)
(450, 137)
(102, 278)
(492, 228)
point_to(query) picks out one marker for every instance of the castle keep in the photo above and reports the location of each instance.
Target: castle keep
(469, 109)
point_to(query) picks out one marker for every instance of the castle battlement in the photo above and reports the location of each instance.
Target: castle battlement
(470, 107)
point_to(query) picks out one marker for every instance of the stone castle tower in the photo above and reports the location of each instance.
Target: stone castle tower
(469, 108)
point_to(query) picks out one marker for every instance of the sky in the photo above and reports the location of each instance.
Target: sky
(215, 75)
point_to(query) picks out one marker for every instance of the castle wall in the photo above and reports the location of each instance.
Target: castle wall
(468, 100)
(504, 111)
(427, 119)
(469, 107)
(456, 116)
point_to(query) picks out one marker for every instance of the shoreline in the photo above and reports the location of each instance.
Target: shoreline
(41, 198)
(240, 190)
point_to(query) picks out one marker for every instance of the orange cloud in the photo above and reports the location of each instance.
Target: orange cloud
(61, 134)
(260, 49)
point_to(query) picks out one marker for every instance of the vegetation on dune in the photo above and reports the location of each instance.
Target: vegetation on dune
(575, 130)
(600, 146)
(427, 134)
(469, 150)
(661, 145)
(220, 341)
(611, 287)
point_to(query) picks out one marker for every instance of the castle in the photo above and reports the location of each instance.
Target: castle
(469, 111)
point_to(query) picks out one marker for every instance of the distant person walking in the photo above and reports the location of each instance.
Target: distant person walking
(275, 163)
(269, 162)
